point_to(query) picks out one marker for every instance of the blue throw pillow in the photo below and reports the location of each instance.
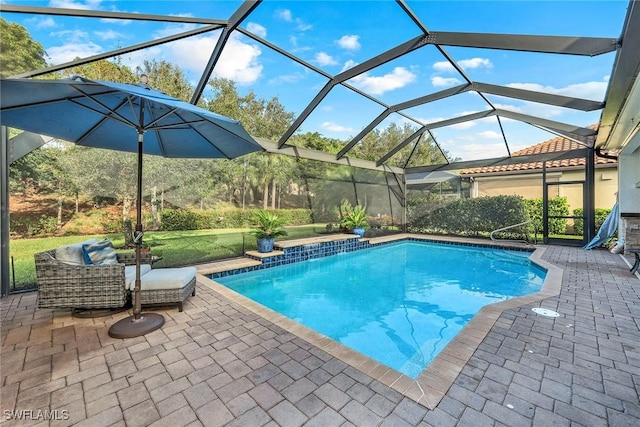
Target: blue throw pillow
(100, 253)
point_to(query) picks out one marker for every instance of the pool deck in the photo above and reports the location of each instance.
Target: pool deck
(227, 361)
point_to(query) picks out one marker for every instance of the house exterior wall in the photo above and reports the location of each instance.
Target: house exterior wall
(529, 186)
(629, 197)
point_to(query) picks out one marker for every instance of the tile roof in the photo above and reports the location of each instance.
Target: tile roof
(554, 145)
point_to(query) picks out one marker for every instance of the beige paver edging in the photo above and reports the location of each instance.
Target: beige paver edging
(434, 381)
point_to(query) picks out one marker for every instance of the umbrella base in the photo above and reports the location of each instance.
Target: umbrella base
(130, 327)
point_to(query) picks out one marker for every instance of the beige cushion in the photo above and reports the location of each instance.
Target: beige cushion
(130, 274)
(73, 254)
(167, 278)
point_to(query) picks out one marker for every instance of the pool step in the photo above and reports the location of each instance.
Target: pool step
(226, 265)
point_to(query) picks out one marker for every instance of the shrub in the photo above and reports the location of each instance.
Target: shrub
(186, 219)
(47, 225)
(558, 206)
(110, 223)
(578, 223)
(183, 219)
(466, 216)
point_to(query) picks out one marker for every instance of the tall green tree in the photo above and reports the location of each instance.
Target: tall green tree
(18, 51)
(379, 142)
(261, 118)
(167, 78)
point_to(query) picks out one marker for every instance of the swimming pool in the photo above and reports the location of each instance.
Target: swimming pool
(399, 303)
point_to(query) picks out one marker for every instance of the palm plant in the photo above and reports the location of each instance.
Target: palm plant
(268, 227)
(355, 218)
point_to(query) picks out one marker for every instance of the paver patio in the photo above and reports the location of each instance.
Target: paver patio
(218, 363)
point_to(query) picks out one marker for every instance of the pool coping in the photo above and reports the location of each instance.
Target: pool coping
(436, 379)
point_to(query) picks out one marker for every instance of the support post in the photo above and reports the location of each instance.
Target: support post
(4, 213)
(590, 202)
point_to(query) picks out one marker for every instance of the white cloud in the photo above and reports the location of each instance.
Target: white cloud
(472, 63)
(398, 78)
(443, 66)
(287, 78)
(333, 127)
(438, 81)
(478, 151)
(238, 62)
(172, 29)
(71, 4)
(508, 107)
(284, 14)
(257, 29)
(287, 16)
(71, 51)
(43, 23)
(350, 42)
(349, 64)
(465, 64)
(589, 90)
(463, 125)
(108, 35)
(490, 134)
(323, 58)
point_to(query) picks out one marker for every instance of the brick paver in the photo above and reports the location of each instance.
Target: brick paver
(218, 363)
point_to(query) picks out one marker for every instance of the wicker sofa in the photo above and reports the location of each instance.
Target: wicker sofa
(62, 285)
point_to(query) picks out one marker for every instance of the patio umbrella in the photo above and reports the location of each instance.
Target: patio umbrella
(109, 115)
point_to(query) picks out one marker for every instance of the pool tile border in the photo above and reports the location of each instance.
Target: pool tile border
(289, 253)
(436, 379)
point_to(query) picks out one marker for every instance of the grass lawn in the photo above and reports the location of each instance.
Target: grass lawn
(177, 248)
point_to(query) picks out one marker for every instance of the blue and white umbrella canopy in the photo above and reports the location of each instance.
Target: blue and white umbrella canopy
(109, 115)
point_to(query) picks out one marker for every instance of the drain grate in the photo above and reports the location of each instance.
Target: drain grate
(545, 312)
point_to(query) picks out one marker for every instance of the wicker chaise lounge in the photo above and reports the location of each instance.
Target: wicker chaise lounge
(63, 285)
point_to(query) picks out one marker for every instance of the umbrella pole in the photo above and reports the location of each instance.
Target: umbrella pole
(137, 325)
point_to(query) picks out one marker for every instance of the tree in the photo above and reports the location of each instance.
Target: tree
(261, 118)
(103, 69)
(315, 141)
(378, 143)
(167, 78)
(25, 174)
(18, 51)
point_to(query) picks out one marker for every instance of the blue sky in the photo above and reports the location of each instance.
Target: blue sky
(336, 35)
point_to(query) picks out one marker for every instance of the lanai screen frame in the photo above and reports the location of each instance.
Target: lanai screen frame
(613, 133)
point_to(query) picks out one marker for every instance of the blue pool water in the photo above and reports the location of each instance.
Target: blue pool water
(399, 304)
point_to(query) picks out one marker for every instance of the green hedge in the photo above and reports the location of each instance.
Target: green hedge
(558, 206)
(187, 219)
(484, 214)
(578, 224)
(467, 216)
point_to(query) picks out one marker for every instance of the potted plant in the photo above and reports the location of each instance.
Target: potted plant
(268, 227)
(355, 220)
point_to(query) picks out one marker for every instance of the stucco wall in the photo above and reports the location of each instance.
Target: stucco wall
(629, 176)
(530, 186)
